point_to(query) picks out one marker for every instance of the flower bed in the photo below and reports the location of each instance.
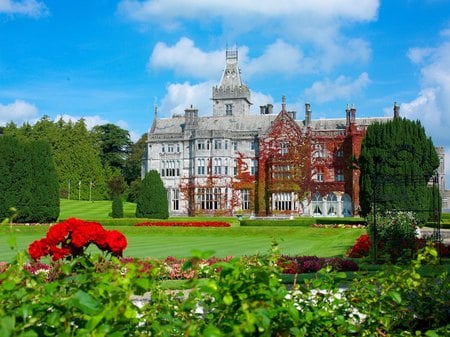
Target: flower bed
(184, 224)
(318, 225)
(312, 264)
(363, 246)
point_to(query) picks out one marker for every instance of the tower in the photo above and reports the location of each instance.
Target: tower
(231, 97)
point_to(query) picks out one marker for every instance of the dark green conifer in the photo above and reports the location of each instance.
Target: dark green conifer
(152, 198)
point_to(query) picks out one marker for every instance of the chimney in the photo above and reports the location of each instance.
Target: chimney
(262, 109)
(353, 114)
(307, 114)
(191, 116)
(269, 109)
(347, 115)
(293, 114)
(396, 110)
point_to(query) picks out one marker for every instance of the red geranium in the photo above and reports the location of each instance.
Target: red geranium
(116, 242)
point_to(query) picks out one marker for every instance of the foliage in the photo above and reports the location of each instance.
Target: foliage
(117, 207)
(152, 199)
(114, 144)
(183, 224)
(396, 163)
(71, 238)
(90, 296)
(75, 154)
(363, 247)
(395, 234)
(28, 181)
(132, 169)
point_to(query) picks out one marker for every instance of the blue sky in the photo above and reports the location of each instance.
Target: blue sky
(113, 61)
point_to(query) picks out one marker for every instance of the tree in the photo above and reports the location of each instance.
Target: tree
(132, 170)
(28, 181)
(152, 198)
(396, 163)
(114, 144)
(116, 186)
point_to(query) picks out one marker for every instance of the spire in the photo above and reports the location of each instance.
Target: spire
(283, 103)
(396, 110)
(231, 77)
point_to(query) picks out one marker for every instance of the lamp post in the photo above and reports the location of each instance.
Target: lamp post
(68, 194)
(79, 190)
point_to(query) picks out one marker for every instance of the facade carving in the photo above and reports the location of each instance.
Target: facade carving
(265, 164)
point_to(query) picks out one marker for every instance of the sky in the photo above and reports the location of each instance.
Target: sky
(113, 61)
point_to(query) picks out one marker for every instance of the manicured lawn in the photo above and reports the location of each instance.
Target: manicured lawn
(88, 210)
(160, 242)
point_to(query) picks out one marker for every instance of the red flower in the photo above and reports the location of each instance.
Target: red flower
(59, 253)
(116, 242)
(38, 249)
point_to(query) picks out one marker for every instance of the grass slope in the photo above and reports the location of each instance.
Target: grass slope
(90, 210)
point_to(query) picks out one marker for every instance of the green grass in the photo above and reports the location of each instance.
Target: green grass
(90, 210)
(159, 242)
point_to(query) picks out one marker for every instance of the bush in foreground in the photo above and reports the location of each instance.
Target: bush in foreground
(91, 296)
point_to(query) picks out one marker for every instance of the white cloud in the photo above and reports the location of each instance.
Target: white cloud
(148, 10)
(312, 30)
(417, 55)
(341, 88)
(182, 95)
(432, 105)
(31, 8)
(18, 112)
(279, 58)
(186, 59)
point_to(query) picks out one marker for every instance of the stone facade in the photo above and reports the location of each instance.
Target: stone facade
(265, 164)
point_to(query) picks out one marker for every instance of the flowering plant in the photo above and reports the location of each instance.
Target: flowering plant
(184, 224)
(71, 237)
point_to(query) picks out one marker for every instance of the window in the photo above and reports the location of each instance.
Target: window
(217, 166)
(169, 147)
(225, 145)
(235, 146)
(281, 172)
(218, 144)
(208, 198)
(284, 148)
(317, 204)
(228, 109)
(319, 175)
(201, 145)
(253, 167)
(163, 148)
(200, 166)
(170, 168)
(245, 199)
(339, 153)
(254, 145)
(339, 176)
(176, 199)
(331, 204)
(318, 151)
(282, 201)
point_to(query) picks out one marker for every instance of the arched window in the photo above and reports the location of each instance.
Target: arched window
(331, 204)
(347, 205)
(317, 204)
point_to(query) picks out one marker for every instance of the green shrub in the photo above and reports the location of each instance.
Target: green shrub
(394, 234)
(117, 207)
(152, 198)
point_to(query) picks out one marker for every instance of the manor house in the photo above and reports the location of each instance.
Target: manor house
(271, 163)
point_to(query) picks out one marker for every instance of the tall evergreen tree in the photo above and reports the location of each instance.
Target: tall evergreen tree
(152, 198)
(28, 181)
(397, 161)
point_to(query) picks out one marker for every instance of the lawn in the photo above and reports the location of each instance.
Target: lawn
(160, 242)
